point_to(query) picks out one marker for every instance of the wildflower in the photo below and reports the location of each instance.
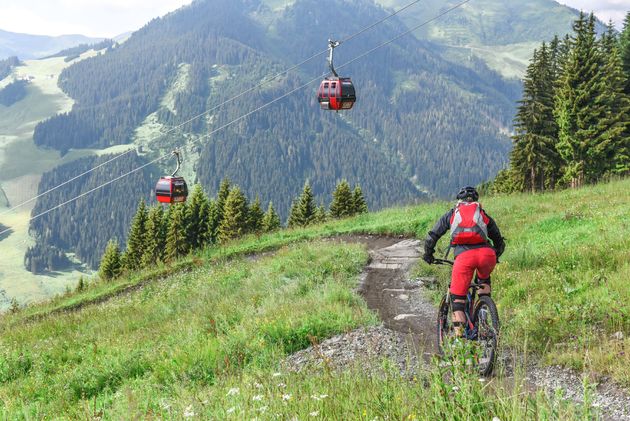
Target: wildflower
(165, 405)
(257, 398)
(262, 408)
(277, 374)
(455, 389)
(233, 391)
(282, 385)
(286, 397)
(258, 385)
(496, 419)
(230, 410)
(323, 396)
(482, 380)
(188, 412)
(314, 413)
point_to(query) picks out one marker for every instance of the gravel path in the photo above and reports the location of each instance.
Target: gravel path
(407, 334)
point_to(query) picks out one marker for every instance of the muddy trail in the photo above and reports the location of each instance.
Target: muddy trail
(407, 334)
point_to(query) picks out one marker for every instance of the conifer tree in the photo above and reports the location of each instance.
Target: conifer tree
(534, 159)
(137, 233)
(320, 214)
(234, 221)
(176, 238)
(303, 210)
(624, 49)
(111, 262)
(155, 238)
(293, 220)
(197, 214)
(271, 220)
(358, 201)
(342, 203)
(222, 195)
(579, 108)
(255, 217)
(615, 123)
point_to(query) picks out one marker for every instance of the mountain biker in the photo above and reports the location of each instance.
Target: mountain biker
(471, 228)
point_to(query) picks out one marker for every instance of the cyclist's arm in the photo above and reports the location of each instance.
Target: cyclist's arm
(495, 235)
(438, 230)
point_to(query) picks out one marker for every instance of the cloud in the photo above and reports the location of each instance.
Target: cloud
(105, 18)
(605, 10)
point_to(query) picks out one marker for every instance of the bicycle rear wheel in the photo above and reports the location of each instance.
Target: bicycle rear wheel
(444, 326)
(486, 319)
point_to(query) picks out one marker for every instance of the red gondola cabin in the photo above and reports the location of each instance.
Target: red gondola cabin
(171, 189)
(336, 93)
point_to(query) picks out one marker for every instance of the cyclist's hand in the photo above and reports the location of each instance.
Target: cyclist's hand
(428, 258)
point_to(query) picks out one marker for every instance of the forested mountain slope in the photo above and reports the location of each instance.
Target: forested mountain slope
(27, 46)
(421, 123)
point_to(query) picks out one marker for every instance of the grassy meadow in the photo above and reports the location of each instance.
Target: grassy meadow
(205, 337)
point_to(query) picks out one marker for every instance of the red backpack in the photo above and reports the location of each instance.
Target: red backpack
(469, 224)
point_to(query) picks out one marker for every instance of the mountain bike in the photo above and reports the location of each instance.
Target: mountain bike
(482, 324)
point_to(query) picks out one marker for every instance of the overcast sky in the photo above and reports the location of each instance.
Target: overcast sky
(108, 18)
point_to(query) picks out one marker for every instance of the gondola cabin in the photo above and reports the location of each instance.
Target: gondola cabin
(336, 93)
(171, 189)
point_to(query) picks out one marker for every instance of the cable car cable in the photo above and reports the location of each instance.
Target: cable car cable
(172, 129)
(239, 118)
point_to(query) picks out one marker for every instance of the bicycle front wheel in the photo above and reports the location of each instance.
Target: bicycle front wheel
(486, 320)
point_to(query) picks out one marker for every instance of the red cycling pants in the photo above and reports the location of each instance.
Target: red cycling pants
(482, 259)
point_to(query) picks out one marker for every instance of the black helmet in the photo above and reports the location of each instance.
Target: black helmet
(467, 193)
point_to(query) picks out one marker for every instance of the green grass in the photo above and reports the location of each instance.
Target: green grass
(169, 339)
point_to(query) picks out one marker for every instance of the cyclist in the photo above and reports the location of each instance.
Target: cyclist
(471, 228)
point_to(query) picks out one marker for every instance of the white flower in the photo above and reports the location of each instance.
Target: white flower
(188, 412)
(258, 385)
(282, 385)
(165, 405)
(455, 389)
(230, 410)
(258, 398)
(314, 413)
(233, 391)
(286, 397)
(277, 374)
(262, 408)
(323, 396)
(496, 419)
(482, 380)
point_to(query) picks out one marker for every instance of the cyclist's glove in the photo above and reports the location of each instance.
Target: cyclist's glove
(428, 257)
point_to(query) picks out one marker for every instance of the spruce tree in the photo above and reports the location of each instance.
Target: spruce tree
(217, 215)
(320, 214)
(135, 240)
(294, 219)
(176, 237)
(579, 108)
(111, 262)
(155, 238)
(255, 217)
(358, 201)
(534, 158)
(342, 203)
(271, 220)
(197, 214)
(234, 221)
(306, 206)
(624, 49)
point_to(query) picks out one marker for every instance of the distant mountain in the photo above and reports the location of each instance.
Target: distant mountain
(502, 33)
(27, 46)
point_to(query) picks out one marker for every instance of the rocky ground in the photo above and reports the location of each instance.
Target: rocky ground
(407, 333)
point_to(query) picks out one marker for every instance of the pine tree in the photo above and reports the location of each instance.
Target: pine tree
(615, 123)
(137, 233)
(155, 238)
(197, 214)
(176, 238)
(111, 262)
(271, 220)
(294, 219)
(303, 210)
(534, 158)
(255, 217)
(234, 221)
(320, 214)
(342, 203)
(358, 201)
(217, 215)
(579, 108)
(624, 48)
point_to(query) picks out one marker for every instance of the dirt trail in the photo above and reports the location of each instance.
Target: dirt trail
(409, 327)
